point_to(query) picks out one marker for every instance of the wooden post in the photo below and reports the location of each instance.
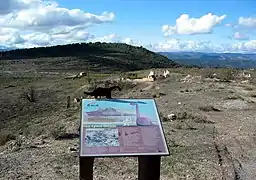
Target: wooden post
(149, 167)
(86, 168)
(68, 101)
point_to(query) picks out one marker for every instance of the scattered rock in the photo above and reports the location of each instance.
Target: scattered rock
(172, 116)
(156, 96)
(32, 146)
(245, 82)
(163, 117)
(162, 94)
(72, 149)
(39, 142)
(253, 95)
(189, 79)
(186, 90)
(9, 86)
(212, 79)
(199, 89)
(231, 91)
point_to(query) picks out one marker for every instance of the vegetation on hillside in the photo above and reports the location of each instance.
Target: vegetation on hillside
(117, 56)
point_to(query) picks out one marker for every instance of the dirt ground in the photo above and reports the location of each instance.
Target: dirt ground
(213, 136)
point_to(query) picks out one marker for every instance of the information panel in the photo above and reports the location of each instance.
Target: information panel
(121, 127)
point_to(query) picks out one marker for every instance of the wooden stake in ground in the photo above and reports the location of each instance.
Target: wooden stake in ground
(68, 102)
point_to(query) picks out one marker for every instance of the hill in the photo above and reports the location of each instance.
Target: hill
(233, 60)
(96, 56)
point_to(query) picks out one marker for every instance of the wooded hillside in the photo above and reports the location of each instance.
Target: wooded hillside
(117, 56)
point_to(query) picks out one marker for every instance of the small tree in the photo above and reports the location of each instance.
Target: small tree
(30, 95)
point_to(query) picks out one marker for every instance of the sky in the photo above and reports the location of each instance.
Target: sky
(158, 25)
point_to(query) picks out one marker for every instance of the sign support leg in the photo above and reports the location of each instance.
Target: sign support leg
(86, 168)
(149, 167)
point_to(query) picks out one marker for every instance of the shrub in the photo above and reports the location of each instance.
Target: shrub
(30, 95)
(208, 108)
(5, 137)
(57, 130)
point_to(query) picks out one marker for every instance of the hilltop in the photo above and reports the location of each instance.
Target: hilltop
(93, 56)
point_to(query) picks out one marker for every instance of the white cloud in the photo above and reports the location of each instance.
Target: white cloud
(32, 23)
(9, 6)
(249, 22)
(108, 38)
(176, 45)
(111, 38)
(249, 46)
(16, 39)
(228, 25)
(240, 36)
(188, 25)
(244, 28)
(45, 16)
(40, 39)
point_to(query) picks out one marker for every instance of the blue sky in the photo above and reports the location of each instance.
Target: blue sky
(142, 20)
(135, 22)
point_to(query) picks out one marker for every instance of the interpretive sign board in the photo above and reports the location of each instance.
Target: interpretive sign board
(121, 127)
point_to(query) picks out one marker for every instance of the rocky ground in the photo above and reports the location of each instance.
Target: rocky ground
(210, 126)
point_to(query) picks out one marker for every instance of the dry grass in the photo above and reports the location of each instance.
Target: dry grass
(27, 107)
(184, 115)
(234, 97)
(253, 94)
(5, 137)
(57, 130)
(197, 118)
(226, 75)
(223, 74)
(208, 73)
(208, 108)
(248, 88)
(127, 85)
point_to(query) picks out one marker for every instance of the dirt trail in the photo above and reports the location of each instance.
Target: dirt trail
(150, 86)
(81, 88)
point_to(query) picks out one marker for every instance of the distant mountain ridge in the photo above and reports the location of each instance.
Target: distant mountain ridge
(232, 60)
(3, 48)
(108, 112)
